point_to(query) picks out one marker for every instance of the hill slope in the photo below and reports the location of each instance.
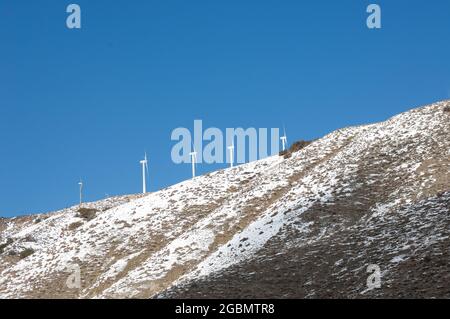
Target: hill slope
(304, 226)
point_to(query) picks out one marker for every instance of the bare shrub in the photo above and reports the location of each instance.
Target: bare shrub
(297, 146)
(25, 253)
(3, 246)
(87, 213)
(75, 225)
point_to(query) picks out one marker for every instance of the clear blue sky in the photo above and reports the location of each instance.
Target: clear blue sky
(87, 103)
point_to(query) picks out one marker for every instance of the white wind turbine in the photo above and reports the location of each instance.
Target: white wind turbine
(284, 139)
(193, 160)
(80, 183)
(231, 149)
(144, 164)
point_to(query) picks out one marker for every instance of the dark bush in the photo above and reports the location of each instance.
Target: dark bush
(447, 109)
(29, 239)
(297, 146)
(288, 155)
(25, 253)
(75, 225)
(3, 246)
(87, 213)
(282, 153)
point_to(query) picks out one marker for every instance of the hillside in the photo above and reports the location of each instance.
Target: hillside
(305, 226)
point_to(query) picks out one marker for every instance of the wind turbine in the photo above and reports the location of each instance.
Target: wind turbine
(284, 139)
(231, 149)
(144, 164)
(193, 160)
(81, 191)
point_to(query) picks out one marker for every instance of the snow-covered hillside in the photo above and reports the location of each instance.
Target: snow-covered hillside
(302, 226)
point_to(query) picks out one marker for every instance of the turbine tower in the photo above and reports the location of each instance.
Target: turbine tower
(284, 139)
(80, 183)
(231, 149)
(193, 160)
(144, 164)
